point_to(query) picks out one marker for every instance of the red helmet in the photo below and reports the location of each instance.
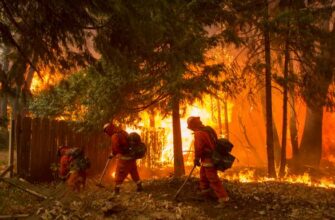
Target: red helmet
(109, 128)
(62, 150)
(194, 122)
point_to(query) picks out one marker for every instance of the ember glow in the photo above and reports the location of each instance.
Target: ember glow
(249, 176)
(113, 174)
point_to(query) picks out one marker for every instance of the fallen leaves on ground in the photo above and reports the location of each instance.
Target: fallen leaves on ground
(267, 200)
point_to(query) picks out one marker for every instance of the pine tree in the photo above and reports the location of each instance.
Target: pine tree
(152, 54)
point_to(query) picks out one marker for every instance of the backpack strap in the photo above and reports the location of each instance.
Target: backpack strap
(212, 134)
(124, 148)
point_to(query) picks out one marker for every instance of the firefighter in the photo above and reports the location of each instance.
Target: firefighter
(204, 145)
(78, 165)
(125, 164)
(64, 162)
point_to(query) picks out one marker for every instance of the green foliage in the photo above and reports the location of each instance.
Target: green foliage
(153, 52)
(53, 31)
(145, 62)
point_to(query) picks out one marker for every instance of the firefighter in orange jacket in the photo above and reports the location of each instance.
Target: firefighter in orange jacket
(125, 164)
(64, 162)
(204, 145)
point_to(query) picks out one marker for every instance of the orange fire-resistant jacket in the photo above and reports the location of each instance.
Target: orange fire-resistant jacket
(203, 146)
(119, 143)
(64, 161)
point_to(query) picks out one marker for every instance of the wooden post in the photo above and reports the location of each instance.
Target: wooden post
(11, 147)
(18, 136)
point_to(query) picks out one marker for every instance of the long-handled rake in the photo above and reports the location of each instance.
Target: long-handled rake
(104, 172)
(181, 187)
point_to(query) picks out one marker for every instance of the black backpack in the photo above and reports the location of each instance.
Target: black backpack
(221, 156)
(137, 149)
(78, 160)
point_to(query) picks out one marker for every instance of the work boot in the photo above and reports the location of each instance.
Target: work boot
(205, 194)
(139, 187)
(222, 202)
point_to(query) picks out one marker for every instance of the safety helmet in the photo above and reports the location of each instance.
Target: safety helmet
(105, 126)
(193, 122)
(110, 128)
(62, 150)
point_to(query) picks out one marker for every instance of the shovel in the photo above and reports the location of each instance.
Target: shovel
(179, 190)
(104, 172)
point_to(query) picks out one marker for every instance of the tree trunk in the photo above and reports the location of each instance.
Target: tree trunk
(285, 98)
(226, 121)
(152, 119)
(179, 168)
(30, 76)
(293, 126)
(4, 113)
(310, 151)
(276, 142)
(26, 86)
(219, 116)
(4, 96)
(311, 143)
(212, 108)
(16, 102)
(293, 123)
(268, 95)
(153, 144)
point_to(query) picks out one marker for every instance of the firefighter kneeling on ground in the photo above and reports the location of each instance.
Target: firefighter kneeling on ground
(204, 146)
(125, 163)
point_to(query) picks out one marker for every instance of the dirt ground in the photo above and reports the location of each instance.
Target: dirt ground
(270, 200)
(260, 201)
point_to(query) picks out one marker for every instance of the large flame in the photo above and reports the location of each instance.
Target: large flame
(198, 109)
(207, 109)
(202, 109)
(45, 79)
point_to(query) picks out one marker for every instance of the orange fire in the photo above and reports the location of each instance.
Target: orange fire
(47, 80)
(207, 109)
(204, 111)
(198, 109)
(112, 174)
(248, 176)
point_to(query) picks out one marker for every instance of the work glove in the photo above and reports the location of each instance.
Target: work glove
(197, 162)
(110, 156)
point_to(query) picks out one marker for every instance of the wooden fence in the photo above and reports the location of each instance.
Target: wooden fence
(37, 141)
